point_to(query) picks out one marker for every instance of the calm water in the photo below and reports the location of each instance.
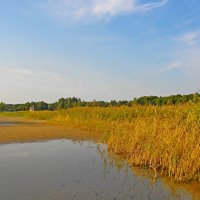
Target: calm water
(64, 170)
(13, 123)
(7, 123)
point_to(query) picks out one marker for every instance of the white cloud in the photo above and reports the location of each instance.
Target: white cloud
(186, 60)
(187, 56)
(22, 85)
(190, 38)
(172, 66)
(78, 9)
(191, 60)
(183, 72)
(22, 73)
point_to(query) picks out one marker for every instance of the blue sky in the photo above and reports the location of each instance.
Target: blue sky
(98, 49)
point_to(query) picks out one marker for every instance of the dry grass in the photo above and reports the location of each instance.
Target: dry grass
(165, 139)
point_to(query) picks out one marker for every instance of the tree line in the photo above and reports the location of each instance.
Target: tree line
(65, 103)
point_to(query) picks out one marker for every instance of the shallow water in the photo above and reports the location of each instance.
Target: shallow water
(12, 123)
(7, 123)
(64, 170)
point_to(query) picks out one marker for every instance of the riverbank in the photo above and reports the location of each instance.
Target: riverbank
(165, 139)
(19, 130)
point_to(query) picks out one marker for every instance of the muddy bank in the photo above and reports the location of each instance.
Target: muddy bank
(22, 130)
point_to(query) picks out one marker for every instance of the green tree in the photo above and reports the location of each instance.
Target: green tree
(2, 106)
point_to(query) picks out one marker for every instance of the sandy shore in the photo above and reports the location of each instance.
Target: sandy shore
(21, 130)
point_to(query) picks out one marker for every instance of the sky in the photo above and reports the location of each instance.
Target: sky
(98, 49)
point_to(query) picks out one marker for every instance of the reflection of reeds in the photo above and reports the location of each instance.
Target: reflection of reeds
(165, 139)
(143, 177)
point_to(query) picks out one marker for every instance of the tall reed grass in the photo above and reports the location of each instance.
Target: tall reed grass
(165, 139)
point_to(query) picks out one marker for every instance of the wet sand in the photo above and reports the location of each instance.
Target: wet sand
(21, 130)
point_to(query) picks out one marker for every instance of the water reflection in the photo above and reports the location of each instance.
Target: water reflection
(150, 185)
(64, 170)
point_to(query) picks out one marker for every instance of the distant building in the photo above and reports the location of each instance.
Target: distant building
(32, 108)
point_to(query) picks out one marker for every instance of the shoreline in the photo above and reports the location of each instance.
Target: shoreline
(22, 130)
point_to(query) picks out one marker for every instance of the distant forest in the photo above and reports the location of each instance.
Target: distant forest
(65, 103)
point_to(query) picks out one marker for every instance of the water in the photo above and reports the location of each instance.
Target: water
(7, 123)
(13, 123)
(65, 170)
